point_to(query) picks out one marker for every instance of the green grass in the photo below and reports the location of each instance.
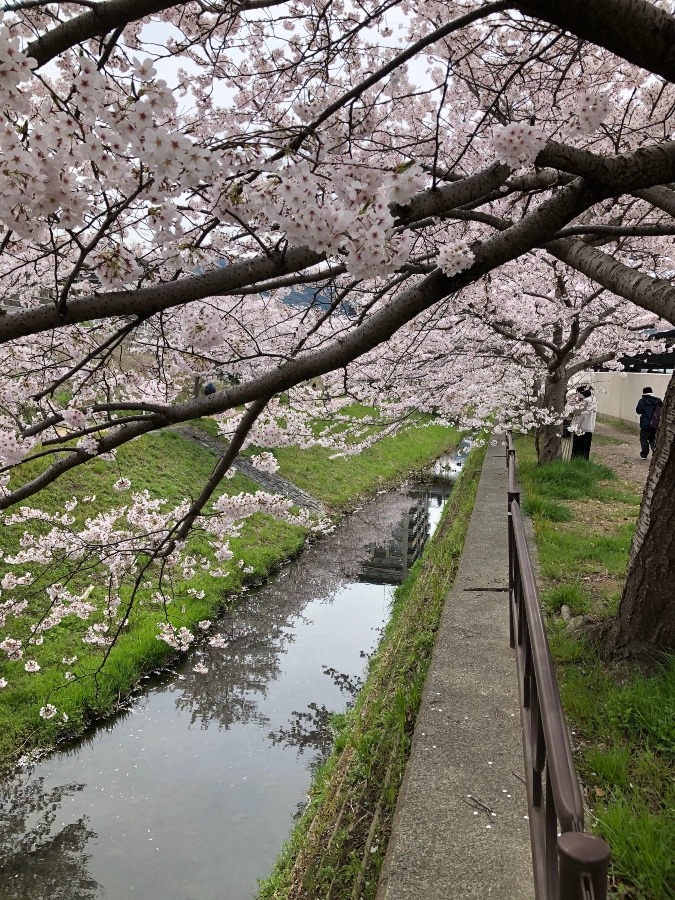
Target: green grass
(572, 480)
(545, 508)
(339, 844)
(571, 595)
(170, 466)
(631, 428)
(624, 720)
(339, 481)
(580, 551)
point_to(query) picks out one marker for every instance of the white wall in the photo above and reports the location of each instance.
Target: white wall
(619, 392)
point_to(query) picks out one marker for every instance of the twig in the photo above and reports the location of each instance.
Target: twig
(477, 804)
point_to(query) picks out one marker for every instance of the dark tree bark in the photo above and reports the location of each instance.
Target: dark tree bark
(549, 437)
(645, 623)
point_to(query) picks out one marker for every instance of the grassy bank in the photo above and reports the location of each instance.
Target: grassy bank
(169, 466)
(339, 844)
(339, 481)
(623, 720)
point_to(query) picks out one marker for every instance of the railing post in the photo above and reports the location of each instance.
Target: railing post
(512, 579)
(582, 856)
(512, 494)
(573, 865)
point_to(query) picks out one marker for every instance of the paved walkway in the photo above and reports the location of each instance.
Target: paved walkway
(618, 445)
(460, 831)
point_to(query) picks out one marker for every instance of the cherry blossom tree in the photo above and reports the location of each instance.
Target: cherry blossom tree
(503, 352)
(173, 172)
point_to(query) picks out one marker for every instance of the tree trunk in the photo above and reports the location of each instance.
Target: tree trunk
(645, 623)
(549, 437)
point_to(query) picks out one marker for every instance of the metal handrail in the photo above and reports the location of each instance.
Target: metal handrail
(568, 863)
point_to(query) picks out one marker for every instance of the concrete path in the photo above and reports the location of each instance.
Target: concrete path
(619, 448)
(461, 828)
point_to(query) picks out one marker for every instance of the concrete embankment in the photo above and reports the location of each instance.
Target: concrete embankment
(461, 828)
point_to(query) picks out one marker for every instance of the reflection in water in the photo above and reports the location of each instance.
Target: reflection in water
(307, 731)
(312, 730)
(190, 795)
(389, 562)
(39, 858)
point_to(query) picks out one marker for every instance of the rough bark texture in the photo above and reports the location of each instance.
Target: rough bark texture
(549, 437)
(637, 30)
(645, 624)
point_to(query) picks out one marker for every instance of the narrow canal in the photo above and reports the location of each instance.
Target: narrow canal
(190, 793)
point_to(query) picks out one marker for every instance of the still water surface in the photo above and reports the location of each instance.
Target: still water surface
(190, 792)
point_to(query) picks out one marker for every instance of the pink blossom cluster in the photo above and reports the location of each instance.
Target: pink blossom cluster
(265, 462)
(178, 638)
(404, 184)
(12, 608)
(455, 257)
(234, 509)
(70, 148)
(116, 266)
(96, 635)
(518, 144)
(589, 111)
(74, 417)
(15, 66)
(12, 647)
(12, 450)
(351, 214)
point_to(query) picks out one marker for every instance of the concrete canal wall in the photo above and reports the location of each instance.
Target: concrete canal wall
(461, 830)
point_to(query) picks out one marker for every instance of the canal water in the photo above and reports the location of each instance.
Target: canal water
(190, 792)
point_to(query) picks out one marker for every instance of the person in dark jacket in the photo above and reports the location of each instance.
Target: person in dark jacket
(645, 409)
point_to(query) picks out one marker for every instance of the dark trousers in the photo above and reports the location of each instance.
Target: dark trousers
(581, 445)
(647, 440)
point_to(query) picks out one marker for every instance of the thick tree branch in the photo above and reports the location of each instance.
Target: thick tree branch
(546, 219)
(661, 197)
(146, 301)
(106, 16)
(636, 30)
(654, 294)
(581, 366)
(611, 176)
(617, 231)
(641, 168)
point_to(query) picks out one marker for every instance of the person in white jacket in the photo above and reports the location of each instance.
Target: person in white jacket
(582, 408)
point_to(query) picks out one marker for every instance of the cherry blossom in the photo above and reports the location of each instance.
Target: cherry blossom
(518, 144)
(455, 257)
(453, 218)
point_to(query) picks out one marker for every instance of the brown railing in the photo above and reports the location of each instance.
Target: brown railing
(568, 863)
